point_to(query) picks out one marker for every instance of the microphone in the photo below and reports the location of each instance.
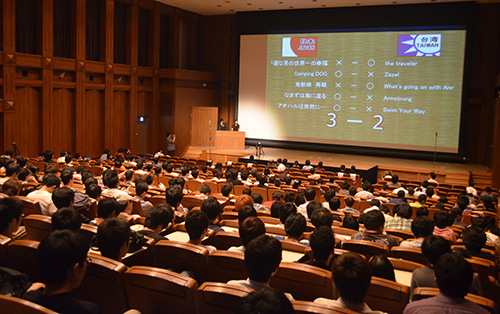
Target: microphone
(210, 122)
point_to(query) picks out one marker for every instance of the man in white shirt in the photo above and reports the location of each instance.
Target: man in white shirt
(310, 195)
(110, 179)
(44, 195)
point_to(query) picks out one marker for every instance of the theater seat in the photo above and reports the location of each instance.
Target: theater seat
(103, 284)
(303, 282)
(409, 254)
(4, 242)
(388, 296)
(220, 298)
(224, 266)
(16, 305)
(37, 226)
(224, 240)
(155, 290)
(30, 206)
(262, 191)
(400, 233)
(190, 201)
(426, 292)
(367, 248)
(88, 231)
(180, 256)
(23, 257)
(306, 307)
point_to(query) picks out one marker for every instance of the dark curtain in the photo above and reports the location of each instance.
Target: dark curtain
(62, 28)
(120, 32)
(27, 31)
(164, 38)
(143, 38)
(93, 33)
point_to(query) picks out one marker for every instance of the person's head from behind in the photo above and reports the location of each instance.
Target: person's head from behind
(322, 242)
(352, 276)
(245, 212)
(374, 220)
(262, 257)
(474, 238)
(453, 275)
(159, 217)
(62, 259)
(334, 203)
(93, 191)
(12, 169)
(251, 228)
(275, 209)
(433, 247)
(295, 226)
(51, 181)
(395, 178)
(196, 225)
(349, 201)
(353, 191)
(108, 208)
(63, 197)
(350, 222)
(381, 267)
(110, 179)
(11, 209)
(173, 195)
(243, 200)
(322, 217)
(286, 210)
(265, 301)
(212, 208)
(422, 226)
(226, 189)
(205, 189)
(113, 238)
(405, 211)
(309, 194)
(442, 219)
(12, 187)
(66, 219)
(422, 211)
(312, 207)
(257, 198)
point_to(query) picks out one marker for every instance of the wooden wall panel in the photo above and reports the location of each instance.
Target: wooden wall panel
(120, 131)
(63, 130)
(93, 120)
(204, 126)
(25, 124)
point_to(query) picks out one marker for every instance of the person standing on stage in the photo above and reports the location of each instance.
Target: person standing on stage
(236, 126)
(170, 143)
(221, 126)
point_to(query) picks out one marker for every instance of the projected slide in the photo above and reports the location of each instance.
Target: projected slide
(398, 89)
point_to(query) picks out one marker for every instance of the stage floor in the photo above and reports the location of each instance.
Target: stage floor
(364, 162)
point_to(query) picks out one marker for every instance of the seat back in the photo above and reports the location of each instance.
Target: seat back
(409, 254)
(262, 191)
(180, 256)
(17, 305)
(224, 240)
(303, 281)
(426, 292)
(400, 233)
(103, 282)
(387, 296)
(30, 206)
(37, 226)
(367, 248)
(306, 307)
(404, 265)
(220, 298)
(23, 257)
(224, 266)
(238, 189)
(88, 231)
(190, 201)
(156, 290)
(4, 242)
(194, 185)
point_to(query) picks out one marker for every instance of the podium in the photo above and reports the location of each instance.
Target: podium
(230, 140)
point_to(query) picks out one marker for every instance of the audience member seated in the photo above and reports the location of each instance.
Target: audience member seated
(44, 194)
(62, 257)
(249, 229)
(106, 208)
(307, 165)
(352, 277)
(213, 209)
(328, 195)
(454, 277)
(80, 199)
(400, 199)
(432, 178)
(173, 196)
(12, 187)
(333, 204)
(241, 201)
(113, 238)
(295, 226)
(322, 242)
(245, 212)
(257, 201)
(420, 202)
(474, 240)
(158, 218)
(309, 195)
(141, 190)
(322, 217)
(265, 301)
(422, 226)
(11, 171)
(350, 222)
(374, 224)
(442, 219)
(262, 258)
(276, 208)
(111, 181)
(366, 192)
(349, 201)
(433, 247)
(66, 218)
(381, 267)
(205, 191)
(11, 209)
(402, 220)
(394, 181)
(197, 228)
